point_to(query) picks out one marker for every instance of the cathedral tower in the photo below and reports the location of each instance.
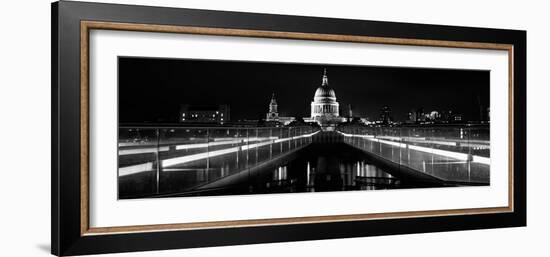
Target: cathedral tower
(272, 115)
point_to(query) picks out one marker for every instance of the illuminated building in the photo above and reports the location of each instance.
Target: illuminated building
(204, 113)
(324, 107)
(273, 114)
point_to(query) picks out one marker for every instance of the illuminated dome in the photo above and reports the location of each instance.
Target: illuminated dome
(324, 105)
(324, 91)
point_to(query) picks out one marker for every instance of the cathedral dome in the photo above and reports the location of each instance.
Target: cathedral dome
(325, 92)
(324, 106)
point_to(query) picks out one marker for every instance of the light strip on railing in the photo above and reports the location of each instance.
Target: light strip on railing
(124, 171)
(248, 147)
(203, 145)
(142, 150)
(351, 135)
(455, 155)
(390, 137)
(282, 140)
(481, 159)
(450, 154)
(402, 145)
(442, 141)
(432, 142)
(191, 146)
(195, 157)
(225, 142)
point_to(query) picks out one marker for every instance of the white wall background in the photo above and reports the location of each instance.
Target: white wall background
(25, 127)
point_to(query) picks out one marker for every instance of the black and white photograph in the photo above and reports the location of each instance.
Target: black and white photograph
(190, 127)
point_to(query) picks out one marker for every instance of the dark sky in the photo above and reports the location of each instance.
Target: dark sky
(152, 89)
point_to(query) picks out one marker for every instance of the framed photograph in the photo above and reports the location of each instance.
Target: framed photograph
(178, 128)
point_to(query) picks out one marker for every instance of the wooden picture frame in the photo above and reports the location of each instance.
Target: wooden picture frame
(71, 25)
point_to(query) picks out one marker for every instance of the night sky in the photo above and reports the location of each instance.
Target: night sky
(152, 90)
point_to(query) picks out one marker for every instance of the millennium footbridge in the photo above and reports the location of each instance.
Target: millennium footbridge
(181, 161)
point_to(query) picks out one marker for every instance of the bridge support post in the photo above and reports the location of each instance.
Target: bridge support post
(157, 160)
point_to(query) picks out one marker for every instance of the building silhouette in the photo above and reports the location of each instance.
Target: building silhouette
(385, 115)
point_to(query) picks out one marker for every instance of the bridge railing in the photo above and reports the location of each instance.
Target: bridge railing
(175, 159)
(457, 154)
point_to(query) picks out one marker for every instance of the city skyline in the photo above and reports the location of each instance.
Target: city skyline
(152, 90)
